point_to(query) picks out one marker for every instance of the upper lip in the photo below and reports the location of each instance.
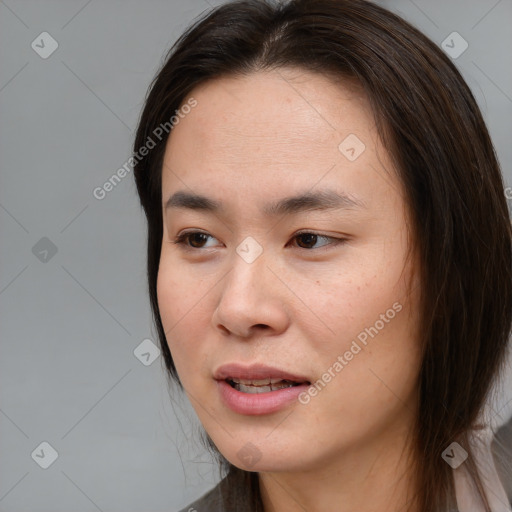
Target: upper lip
(255, 372)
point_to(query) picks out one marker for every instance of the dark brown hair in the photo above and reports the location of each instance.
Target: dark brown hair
(431, 126)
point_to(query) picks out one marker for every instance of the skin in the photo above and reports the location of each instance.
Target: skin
(256, 139)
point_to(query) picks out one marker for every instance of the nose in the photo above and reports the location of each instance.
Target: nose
(252, 300)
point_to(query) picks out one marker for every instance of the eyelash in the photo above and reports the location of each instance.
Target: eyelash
(183, 237)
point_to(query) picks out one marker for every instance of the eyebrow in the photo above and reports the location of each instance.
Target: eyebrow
(307, 201)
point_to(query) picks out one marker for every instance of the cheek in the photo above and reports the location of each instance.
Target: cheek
(181, 292)
(349, 300)
(182, 302)
(374, 386)
(374, 322)
(171, 300)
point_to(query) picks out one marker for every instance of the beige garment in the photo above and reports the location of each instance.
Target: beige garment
(467, 499)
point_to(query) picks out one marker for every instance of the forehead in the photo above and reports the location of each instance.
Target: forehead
(274, 129)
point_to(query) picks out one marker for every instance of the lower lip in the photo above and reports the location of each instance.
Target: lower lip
(259, 403)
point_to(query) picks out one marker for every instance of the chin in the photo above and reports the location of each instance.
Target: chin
(250, 455)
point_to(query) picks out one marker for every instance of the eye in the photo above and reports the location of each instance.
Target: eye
(310, 239)
(196, 240)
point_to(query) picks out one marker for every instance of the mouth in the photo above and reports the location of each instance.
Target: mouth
(258, 389)
(254, 397)
(252, 386)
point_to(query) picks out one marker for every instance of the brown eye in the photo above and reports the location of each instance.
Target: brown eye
(308, 239)
(197, 239)
(192, 240)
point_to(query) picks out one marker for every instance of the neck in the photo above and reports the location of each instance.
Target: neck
(377, 476)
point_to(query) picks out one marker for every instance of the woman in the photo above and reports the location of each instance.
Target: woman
(329, 258)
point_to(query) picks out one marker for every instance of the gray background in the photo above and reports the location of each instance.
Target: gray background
(72, 320)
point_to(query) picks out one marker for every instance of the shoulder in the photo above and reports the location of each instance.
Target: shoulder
(209, 502)
(484, 445)
(502, 453)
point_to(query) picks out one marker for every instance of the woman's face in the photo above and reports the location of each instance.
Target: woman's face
(317, 288)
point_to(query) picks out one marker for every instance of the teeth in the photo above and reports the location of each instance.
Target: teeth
(263, 386)
(262, 382)
(253, 389)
